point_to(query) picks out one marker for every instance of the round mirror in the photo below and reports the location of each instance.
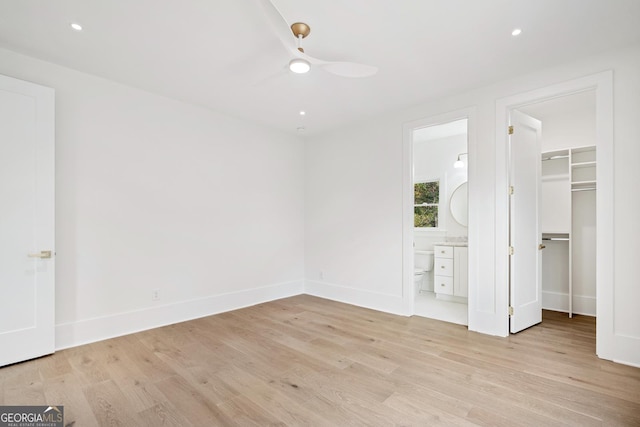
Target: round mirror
(458, 205)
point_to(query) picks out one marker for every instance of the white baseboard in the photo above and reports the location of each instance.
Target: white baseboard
(452, 298)
(101, 328)
(558, 301)
(359, 297)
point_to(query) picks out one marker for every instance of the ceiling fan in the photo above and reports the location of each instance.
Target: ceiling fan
(301, 61)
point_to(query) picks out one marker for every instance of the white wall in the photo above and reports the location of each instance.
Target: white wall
(152, 193)
(626, 289)
(575, 128)
(341, 165)
(352, 207)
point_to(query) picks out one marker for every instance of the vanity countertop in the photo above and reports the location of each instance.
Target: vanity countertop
(463, 244)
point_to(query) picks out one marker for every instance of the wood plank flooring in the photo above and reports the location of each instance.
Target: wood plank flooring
(313, 362)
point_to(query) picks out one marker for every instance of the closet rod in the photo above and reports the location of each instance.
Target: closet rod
(563, 239)
(584, 189)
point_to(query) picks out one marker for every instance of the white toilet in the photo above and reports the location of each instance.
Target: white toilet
(422, 264)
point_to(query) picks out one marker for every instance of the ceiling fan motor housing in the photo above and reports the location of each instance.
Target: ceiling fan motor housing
(300, 29)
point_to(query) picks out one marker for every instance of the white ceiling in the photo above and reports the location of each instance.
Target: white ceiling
(224, 55)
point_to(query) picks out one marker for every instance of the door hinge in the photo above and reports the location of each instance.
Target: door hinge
(510, 311)
(510, 130)
(511, 250)
(511, 190)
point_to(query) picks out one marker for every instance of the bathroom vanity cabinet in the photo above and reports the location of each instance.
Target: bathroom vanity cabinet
(451, 270)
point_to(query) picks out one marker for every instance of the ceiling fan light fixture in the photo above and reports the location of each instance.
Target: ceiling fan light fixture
(299, 65)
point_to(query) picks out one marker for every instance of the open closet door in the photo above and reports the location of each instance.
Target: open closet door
(525, 234)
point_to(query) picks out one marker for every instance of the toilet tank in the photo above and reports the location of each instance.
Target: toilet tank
(423, 260)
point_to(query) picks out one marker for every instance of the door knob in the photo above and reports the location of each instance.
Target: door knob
(541, 246)
(41, 254)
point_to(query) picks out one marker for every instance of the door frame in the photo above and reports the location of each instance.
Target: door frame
(602, 83)
(407, 197)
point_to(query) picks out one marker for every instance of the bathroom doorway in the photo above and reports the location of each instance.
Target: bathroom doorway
(438, 226)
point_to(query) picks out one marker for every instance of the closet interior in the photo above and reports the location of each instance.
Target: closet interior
(568, 223)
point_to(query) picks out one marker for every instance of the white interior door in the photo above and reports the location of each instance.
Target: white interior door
(27, 297)
(525, 235)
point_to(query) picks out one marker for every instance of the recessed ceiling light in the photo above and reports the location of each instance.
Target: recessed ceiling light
(76, 26)
(516, 32)
(302, 113)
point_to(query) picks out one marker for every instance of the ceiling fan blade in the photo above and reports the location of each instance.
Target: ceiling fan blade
(279, 24)
(342, 69)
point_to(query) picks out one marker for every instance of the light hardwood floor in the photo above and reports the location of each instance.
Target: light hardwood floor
(308, 361)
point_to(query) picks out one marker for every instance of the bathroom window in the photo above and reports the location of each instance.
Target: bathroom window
(426, 196)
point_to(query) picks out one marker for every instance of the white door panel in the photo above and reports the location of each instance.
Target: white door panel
(26, 220)
(525, 235)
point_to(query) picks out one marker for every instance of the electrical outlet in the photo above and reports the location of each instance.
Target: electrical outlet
(155, 295)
